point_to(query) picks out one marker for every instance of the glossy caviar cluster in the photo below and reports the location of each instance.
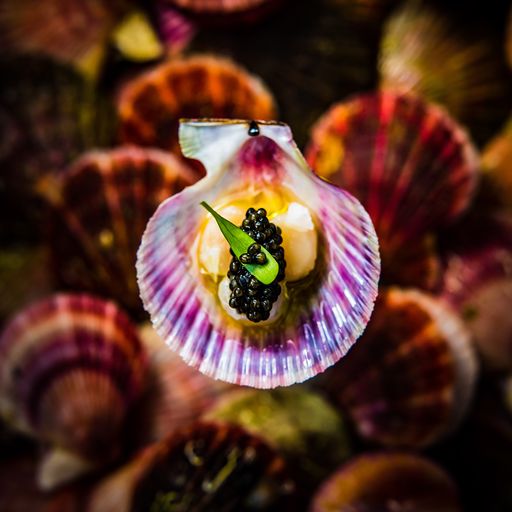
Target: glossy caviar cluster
(248, 295)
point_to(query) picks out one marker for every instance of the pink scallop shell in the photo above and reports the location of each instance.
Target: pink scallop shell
(412, 167)
(321, 324)
(71, 366)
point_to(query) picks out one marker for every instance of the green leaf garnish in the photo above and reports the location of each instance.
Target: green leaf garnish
(239, 241)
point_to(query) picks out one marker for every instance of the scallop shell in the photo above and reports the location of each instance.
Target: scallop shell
(101, 207)
(176, 395)
(218, 11)
(48, 115)
(324, 317)
(388, 482)
(297, 422)
(67, 30)
(409, 164)
(424, 52)
(204, 468)
(497, 166)
(71, 366)
(478, 283)
(411, 377)
(151, 105)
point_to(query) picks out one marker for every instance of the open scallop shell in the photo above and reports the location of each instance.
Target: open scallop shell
(176, 394)
(409, 164)
(297, 422)
(151, 105)
(477, 282)
(424, 52)
(388, 482)
(101, 207)
(324, 317)
(71, 366)
(410, 378)
(203, 468)
(74, 31)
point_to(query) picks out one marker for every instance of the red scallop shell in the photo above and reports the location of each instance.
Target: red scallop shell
(412, 167)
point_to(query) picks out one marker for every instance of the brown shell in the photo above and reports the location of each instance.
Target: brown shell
(388, 482)
(100, 210)
(207, 467)
(411, 375)
(151, 105)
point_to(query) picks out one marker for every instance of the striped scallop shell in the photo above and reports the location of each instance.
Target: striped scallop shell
(411, 377)
(175, 395)
(73, 31)
(323, 318)
(49, 114)
(425, 52)
(207, 467)
(477, 282)
(388, 482)
(299, 423)
(101, 207)
(409, 164)
(71, 367)
(151, 105)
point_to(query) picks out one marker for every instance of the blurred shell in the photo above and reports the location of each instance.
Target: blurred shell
(424, 52)
(207, 467)
(175, 29)
(388, 482)
(101, 207)
(151, 105)
(478, 283)
(219, 11)
(410, 378)
(497, 167)
(48, 115)
(299, 423)
(325, 314)
(73, 31)
(70, 368)
(176, 394)
(409, 164)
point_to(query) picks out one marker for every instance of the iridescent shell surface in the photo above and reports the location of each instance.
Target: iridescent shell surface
(325, 315)
(411, 166)
(297, 422)
(410, 378)
(207, 467)
(73, 31)
(176, 395)
(100, 209)
(478, 283)
(388, 482)
(424, 52)
(71, 367)
(151, 105)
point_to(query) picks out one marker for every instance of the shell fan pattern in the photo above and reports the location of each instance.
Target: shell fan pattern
(411, 166)
(411, 377)
(151, 105)
(71, 366)
(324, 314)
(100, 208)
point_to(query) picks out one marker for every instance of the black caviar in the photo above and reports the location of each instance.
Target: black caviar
(248, 295)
